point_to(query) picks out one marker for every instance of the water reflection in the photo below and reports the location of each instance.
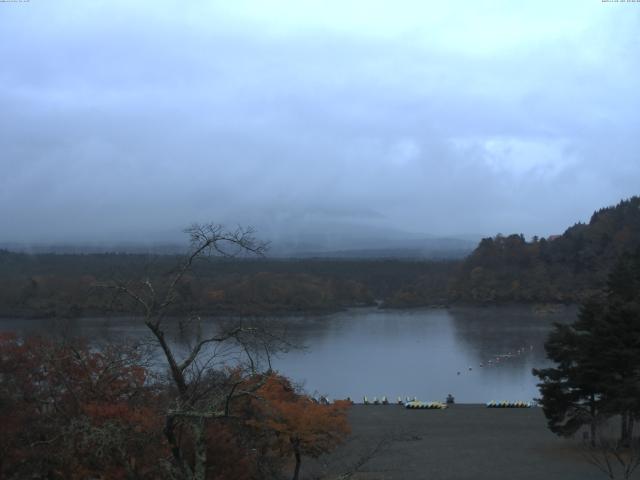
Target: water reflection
(477, 354)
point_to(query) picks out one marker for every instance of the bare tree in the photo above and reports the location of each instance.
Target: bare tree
(202, 393)
(613, 458)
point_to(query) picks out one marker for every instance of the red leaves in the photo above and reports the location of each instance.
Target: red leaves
(69, 409)
(73, 412)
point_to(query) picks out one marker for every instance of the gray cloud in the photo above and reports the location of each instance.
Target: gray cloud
(122, 121)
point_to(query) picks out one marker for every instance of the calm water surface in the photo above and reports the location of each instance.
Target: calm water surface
(476, 354)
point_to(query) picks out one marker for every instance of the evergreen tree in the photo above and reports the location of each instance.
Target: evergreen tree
(620, 333)
(571, 391)
(597, 372)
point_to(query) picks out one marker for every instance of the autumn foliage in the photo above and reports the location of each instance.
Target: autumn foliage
(299, 425)
(70, 411)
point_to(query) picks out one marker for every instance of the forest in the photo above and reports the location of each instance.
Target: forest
(50, 285)
(567, 268)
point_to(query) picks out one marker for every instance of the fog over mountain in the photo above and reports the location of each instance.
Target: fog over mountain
(324, 123)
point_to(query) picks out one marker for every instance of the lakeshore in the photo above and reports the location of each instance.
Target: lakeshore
(465, 441)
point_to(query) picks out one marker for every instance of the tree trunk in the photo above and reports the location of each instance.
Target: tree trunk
(594, 421)
(296, 452)
(176, 373)
(169, 432)
(624, 429)
(200, 445)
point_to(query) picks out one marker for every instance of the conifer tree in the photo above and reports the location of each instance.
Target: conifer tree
(597, 372)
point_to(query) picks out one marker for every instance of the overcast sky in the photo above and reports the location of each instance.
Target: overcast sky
(127, 120)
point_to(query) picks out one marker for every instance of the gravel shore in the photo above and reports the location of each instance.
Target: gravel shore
(462, 442)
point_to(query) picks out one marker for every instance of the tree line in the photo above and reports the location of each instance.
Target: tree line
(567, 268)
(54, 285)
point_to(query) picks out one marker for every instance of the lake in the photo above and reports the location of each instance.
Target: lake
(476, 354)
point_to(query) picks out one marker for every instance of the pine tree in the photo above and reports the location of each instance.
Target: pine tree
(597, 372)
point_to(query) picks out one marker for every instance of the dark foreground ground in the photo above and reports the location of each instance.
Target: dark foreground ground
(463, 442)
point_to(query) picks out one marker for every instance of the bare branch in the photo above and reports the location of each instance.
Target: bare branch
(196, 350)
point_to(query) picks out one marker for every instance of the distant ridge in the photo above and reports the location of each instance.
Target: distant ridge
(437, 248)
(95, 248)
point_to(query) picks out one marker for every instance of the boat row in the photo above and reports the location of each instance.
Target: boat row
(376, 401)
(414, 403)
(505, 404)
(426, 405)
(384, 401)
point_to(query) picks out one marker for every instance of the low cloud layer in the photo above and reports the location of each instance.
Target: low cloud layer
(129, 120)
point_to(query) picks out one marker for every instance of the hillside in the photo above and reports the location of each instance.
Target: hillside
(567, 268)
(562, 269)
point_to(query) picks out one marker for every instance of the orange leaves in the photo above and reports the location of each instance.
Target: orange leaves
(297, 421)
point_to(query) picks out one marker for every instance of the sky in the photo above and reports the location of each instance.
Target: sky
(129, 121)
